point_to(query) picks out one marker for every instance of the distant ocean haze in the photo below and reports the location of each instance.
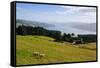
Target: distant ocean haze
(77, 28)
(83, 28)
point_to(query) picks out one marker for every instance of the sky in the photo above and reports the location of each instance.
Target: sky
(55, 13)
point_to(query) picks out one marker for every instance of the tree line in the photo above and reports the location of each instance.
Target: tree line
(57, 35)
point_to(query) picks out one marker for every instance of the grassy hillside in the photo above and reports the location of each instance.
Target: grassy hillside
(55, 52)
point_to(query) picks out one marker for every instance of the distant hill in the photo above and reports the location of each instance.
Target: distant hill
(68, 27)
(31, 23)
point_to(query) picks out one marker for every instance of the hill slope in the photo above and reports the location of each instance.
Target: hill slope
(55, 52)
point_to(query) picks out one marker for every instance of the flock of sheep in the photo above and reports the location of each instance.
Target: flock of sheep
(38, 54)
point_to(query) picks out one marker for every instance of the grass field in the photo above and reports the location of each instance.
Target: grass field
(55, 52)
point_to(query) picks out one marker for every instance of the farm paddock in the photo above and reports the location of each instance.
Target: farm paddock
(54, 51)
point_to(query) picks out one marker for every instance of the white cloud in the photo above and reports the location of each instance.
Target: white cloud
(66, 7)
(70, 14)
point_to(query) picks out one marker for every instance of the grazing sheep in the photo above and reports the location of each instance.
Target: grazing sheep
(42, 55)
(36, 53)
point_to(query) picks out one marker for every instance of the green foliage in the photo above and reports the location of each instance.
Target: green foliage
(29, 30)
(88, 38)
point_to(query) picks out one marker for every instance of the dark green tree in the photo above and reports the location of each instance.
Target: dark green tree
(64, 37)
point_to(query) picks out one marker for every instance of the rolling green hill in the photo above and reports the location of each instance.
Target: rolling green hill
(55, 52)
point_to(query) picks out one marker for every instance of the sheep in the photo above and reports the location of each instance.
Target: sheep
(36, 53)
(42, 55)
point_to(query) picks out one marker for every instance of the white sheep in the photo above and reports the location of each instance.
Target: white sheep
(39, 55)
(42, 55)
(36, 53)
